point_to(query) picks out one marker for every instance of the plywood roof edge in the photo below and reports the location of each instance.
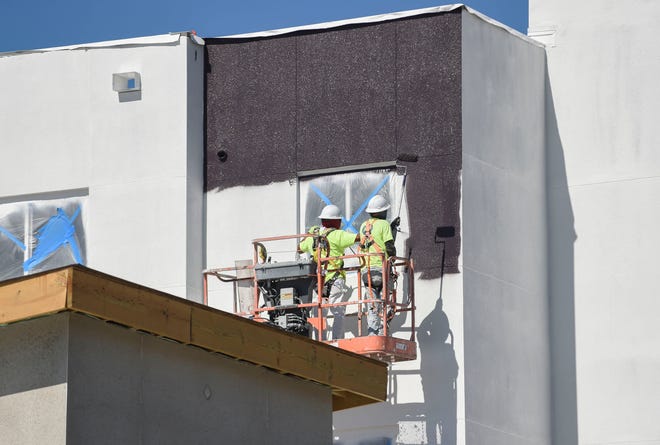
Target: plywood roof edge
(103, 296)
(35, 295)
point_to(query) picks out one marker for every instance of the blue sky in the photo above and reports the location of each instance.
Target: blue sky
(32, 24)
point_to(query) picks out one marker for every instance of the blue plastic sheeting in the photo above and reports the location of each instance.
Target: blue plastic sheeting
(54, 243)
(57, 232)
(15, 240)
(365, 203)
(327, 201)
(342, 188)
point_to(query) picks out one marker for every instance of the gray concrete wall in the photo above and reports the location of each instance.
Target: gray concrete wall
(507, 378)
(33, 381)
(130, 387)
(73, 379)
(604, 190)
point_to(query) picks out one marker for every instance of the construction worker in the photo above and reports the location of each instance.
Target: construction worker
(375, 237)
(334, 289)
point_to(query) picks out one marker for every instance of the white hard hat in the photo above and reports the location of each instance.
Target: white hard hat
(377, 204)
(330, 212)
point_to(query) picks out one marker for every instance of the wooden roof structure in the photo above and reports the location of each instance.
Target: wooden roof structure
(355, 380)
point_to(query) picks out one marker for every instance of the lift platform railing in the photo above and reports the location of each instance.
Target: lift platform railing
(391, 303)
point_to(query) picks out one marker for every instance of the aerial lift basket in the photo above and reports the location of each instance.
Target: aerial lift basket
(289, 295)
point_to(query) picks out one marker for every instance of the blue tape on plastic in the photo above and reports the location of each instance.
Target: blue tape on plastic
(327, 201)
(57, 232)
(366, 202)
(12, 238)
(348, 224)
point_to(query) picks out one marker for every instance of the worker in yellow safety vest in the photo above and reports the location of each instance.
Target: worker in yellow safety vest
(334, 289)
(375, 237)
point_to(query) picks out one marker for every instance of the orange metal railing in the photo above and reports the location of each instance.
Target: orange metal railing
(388, 348)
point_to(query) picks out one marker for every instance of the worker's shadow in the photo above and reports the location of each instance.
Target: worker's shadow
(438, 371)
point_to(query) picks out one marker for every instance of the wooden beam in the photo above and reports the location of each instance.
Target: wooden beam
(348, 400)
(30, 297)
(289, 353)
(130, 304)
(355, 380)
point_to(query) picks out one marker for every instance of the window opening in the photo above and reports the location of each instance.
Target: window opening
(350, 192)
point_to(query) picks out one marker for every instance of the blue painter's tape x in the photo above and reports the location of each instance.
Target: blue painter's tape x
(348, 224)
(366, 202)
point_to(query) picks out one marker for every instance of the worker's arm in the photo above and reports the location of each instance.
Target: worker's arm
(390, 248)
(306, 245)
(345, 239)
(394, 226)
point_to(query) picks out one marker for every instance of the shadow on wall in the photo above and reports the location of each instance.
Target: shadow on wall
(431, 421)
(438, 370)
(561, 288)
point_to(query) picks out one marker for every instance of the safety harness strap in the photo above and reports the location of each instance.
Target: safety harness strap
(367, 239)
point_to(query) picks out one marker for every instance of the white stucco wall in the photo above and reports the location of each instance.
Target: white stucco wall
(507, 378)
(63, 128)
(238, 215)
(195, 235)
(604, 183)
(425, 396)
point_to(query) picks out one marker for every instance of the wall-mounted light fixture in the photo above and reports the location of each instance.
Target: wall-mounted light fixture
(126, 82)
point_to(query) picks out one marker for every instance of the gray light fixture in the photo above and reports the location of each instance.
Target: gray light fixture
(126, 82)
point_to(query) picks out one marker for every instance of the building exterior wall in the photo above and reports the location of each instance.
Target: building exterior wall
(135, 160)
(344, 97)
(90, 381)
(160, 391)
(236, 216)
(33, 387)
(195, 239)
(507, 377)
(425, 396)
(462, 96)
(603, 201)
(350, 96)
